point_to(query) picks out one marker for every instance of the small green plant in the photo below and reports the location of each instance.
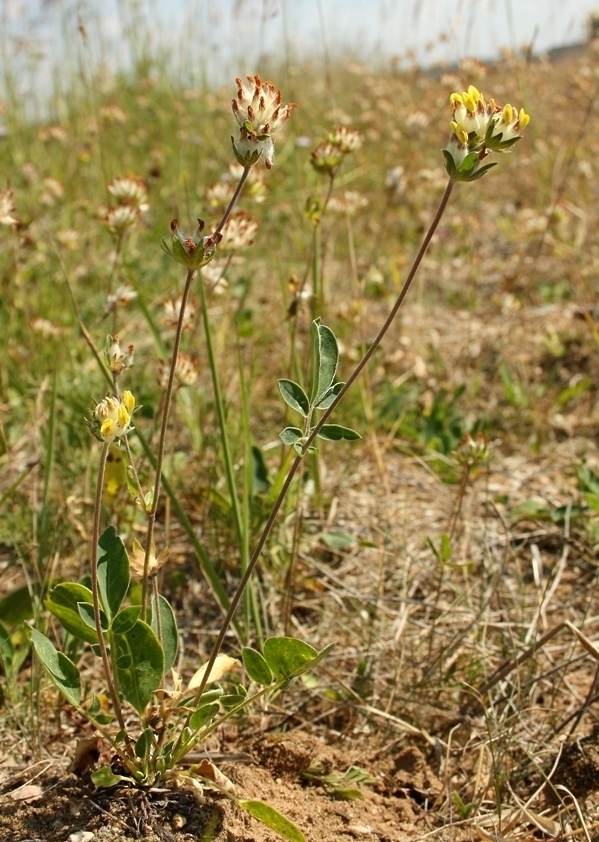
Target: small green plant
(143, 709)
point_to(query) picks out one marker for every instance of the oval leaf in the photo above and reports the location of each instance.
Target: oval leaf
(61, 669)
(113, 571)
(256, 667)
(288, 657)
(203, 715)
(140, 664)
(329, 396)
(335, 432)
(63, 603)
(104, 776)
(168, 630)
(273, 819)
(86, 612)
(326, 357)
(294, 396)
(144, 743)
(126, 619)
(290, 435)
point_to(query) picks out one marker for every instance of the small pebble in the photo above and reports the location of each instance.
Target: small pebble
(81, 836)
(178, 821)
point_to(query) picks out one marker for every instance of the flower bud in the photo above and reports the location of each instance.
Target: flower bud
(192, 252)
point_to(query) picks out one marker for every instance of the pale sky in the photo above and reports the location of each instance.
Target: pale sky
(218, 38)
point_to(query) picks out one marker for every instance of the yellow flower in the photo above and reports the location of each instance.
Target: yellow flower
(479, 127)
(112, 417)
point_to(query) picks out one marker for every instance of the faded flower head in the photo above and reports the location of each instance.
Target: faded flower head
(130, 191)
(192, 252)
(472, 450)
(138, 557)
(112, 417)
(131, 203)
(259, 112)
(346, 139)
(479, 127)
(218, 195)
(119, 219)
(328, 156)
(117, 359)
(258, 106)
(121, 297)
(348, 203)
(214, 276)
(239, 231)
(171, 310)
(187, 371)
(7, 208)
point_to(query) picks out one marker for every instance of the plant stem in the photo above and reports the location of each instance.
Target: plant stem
(298, 459)
(96, 594)
(222, 419)
(162, 442)
(231, 204)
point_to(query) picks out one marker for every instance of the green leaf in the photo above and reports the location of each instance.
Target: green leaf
(260, 482)
(287, 656)
(232, 700)
(86, 613)
(202, 715)
(113, 571)
(256, 667)
(335, 432)
(294, 396)
(140, 664)
(329, 396)
(290, 435)
(16, 607)
(63, 601)
(168, 626)
(325, 359)
(105, 777)
(338, 540)
(273, 819)
(6, 653)
(125, 619)
(144, 743)
(61, 670)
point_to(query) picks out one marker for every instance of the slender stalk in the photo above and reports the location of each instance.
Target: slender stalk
(231, 204)
(96, 595)
(389, 320)
(298, 459)
(162, 442)
(222, 419)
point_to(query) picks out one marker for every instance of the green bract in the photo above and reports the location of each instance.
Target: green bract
(191, 252)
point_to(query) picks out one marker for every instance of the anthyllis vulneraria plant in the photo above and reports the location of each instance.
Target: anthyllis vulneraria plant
(144, 710)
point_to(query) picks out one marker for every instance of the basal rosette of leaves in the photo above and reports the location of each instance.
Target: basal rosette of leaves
(172, 719)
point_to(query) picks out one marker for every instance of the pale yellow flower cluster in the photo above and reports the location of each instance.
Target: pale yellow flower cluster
(113, 416)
